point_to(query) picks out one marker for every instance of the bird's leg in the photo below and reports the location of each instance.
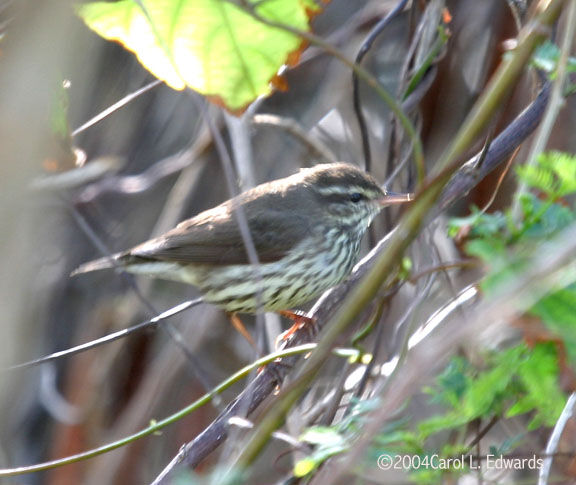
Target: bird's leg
(239, 326)
(300, 321)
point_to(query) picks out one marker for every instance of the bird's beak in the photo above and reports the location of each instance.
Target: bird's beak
(393, 198)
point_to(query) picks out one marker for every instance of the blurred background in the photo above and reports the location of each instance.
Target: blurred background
(155, 164)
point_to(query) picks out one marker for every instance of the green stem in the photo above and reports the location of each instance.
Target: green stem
(156, 426)
(439, 43)
(368, 328)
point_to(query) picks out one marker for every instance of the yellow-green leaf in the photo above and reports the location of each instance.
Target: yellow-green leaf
(211, 46)
(304, 467)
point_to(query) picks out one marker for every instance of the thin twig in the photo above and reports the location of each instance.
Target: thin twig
(116, 106)
(135, 184)
(466, 263)
(482, 432)
(500, 180)
(554, 440)
(291, 126)
(152, 322)
(364, 48)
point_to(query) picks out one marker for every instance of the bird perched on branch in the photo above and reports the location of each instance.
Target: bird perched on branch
(306, 229)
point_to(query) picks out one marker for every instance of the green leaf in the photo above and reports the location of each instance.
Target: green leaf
(539, 375)
(452, 382)
(483, 397)
(563, 166)
(329, 442)
(545, 218)
(486, 249)
(211, 46)
(322, 436)
(554, 174)
(444, 422)
(558, 308)
(521, 406)
(481, 224)
(394, 438)
(537, 177)
(558, 311)
(546, 58)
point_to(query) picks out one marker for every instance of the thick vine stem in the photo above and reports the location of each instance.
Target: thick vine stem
(475, 169)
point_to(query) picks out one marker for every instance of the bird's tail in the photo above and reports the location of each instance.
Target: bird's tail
(106, 262)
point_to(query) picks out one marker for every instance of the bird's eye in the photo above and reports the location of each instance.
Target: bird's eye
(356, 197)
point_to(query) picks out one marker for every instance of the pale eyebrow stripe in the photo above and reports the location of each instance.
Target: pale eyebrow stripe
(343, 191)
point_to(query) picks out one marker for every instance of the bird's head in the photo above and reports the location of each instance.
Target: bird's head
(348, 195)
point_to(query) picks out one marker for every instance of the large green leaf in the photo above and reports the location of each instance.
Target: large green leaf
(211, 46)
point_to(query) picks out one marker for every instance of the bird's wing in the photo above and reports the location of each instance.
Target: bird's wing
(215, 238)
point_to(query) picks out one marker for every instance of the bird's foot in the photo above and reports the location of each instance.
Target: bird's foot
(301, 322)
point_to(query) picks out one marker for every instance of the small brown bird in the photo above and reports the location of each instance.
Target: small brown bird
(306, 229)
